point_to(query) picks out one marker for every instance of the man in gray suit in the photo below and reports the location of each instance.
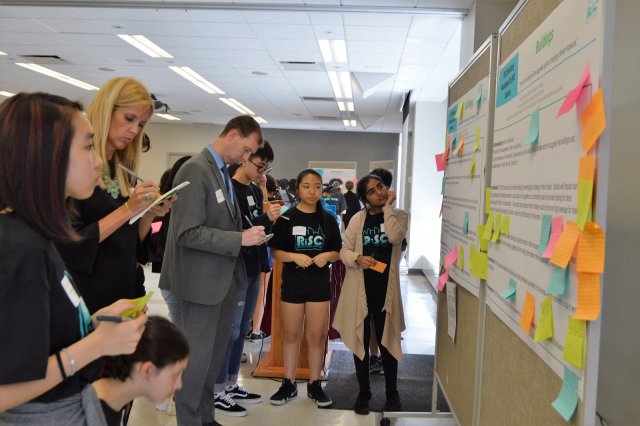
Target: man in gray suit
(202, 267)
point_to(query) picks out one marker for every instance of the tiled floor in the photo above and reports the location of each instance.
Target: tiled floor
(419, 338)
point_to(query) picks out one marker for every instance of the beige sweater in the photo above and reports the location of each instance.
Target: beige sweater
(352, 305)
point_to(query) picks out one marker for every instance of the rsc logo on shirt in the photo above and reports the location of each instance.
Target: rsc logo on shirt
(312, 240)
(374, 237)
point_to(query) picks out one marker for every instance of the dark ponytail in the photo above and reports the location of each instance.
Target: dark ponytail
(162, 343)
(361, 188)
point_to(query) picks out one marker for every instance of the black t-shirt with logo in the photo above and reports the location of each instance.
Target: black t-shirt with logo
(41, 311)
(375, 243)
(309, 234)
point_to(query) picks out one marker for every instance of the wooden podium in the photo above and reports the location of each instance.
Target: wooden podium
(272, 365)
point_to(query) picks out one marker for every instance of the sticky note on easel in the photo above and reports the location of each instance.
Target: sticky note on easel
(557, 225)
(461, 258)
(591, 250)
(528, 312)
(588, 296)
(441, 162)
(482, 265)
(566, 244)
(544, 330)
(585, 192)
(465, 224)
(140, 303)
(460, 147)
(545, 233)
(451, 257)
(442, 280)
(587, 167)
(488, 227)
(510, 292)
(476, 146)
(460, 111)
(487, 200)
(506, 224)
(482, 242)
(534, 128)
(496, 228)
(593, 121)
(479, 98)
(472, 168)
(379, 266)
(573, 351)
(559, 281)
(567, 400)
(574, 94)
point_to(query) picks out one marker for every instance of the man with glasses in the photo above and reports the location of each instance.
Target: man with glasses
(248, 177)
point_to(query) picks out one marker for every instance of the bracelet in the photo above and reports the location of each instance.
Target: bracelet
(126, 204)
(64, 374)
(72, 361)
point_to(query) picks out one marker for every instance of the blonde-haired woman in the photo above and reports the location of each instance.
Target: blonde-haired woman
(105, 264)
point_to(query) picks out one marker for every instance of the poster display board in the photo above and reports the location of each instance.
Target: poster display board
(343, 170)
(535, 175)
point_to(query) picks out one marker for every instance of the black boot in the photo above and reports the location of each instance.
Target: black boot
(362, 403)
(393, 401)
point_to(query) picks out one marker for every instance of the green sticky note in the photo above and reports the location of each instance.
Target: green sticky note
(545, 323)
(140, 303)
(559, 281)
(510, 292)
(482, 242)
(488, 227)
(487, 200)
(496, 228)
(506, 222)
(534, 128)
(465, 224)
(442, 190)
(461, 258)
(567, 401)
(585, 191)
(472, 168)
(573, 351)
(479, 97)
(545, 233)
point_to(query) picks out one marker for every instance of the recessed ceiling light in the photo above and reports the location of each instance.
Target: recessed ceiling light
(237, 106)
(341, 84)
(142, 43)
(333, 50)
(260, 120)
(259, 73)
(168, 116)
(197, 79)
(3, 53)
(7, 94)
(57, 75)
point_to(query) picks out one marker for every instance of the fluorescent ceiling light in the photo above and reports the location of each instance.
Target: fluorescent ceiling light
(335, 84)
(345, 106)
(142, 43)
(7, 94)
(237, 106)
(349, 123)
(3, 53)
(57, 75)
(197, 79)
(333, 50)
(167, 116)
(260, 120)
(341, 84)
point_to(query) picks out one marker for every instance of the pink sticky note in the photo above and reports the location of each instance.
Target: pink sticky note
(442, 281)
(557, 225)
(155, 227)
(574, 93)
(451, 257)
(441, 161)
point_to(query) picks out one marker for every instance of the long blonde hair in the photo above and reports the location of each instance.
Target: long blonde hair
(120, 92)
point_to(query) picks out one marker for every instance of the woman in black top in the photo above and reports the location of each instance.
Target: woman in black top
(48, 338)
(306, 244)
(105, 262)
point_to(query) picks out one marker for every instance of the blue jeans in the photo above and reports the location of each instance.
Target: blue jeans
(245, 305)
(175, 309)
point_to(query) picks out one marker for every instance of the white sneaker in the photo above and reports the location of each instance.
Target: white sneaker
(226, 405)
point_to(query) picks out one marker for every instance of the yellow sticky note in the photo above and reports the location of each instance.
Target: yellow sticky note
(574, 343)
(496, 228)
(545, 324)
(482, 264)
(488, 227)
(379, 266)
(585, 191)
(460, 111)
(461, 258)
(487, 200)
(472, 169)
(528, 312)
(567, 242)
(506, 223)
(482, 242)
(593, 121)
(477, 143)
(588, 296)
(591, 250)
(140, 303)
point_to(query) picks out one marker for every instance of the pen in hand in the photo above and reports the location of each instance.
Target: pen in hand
(111, 318)
(131, 172)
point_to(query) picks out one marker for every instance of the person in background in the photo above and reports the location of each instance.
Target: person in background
(293, 185)
(49, 339)
(255, 211)
(306, 244)
(272, 189)
(353, 204)
(202, 266)
(153, 371)
(373, 238)
(105, 262)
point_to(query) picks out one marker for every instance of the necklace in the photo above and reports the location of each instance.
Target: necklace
(110, 185)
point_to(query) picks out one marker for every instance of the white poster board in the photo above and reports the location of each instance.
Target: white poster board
(529, 181)
(343, 170)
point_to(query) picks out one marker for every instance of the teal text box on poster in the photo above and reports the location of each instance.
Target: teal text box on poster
(508, 81)
(452, 121)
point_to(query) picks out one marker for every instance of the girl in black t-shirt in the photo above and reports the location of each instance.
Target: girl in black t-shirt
(48, 338)
(306, 244)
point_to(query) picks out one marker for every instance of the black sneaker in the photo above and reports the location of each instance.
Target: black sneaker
(257, 337)
(375, 364)
(287, 391)
(227, 406)
(393, 402)
(362, 403)
(241, 394)
(315, 392)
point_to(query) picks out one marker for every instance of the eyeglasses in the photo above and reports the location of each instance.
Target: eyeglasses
(261, 169)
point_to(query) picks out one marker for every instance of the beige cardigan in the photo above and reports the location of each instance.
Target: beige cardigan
(352, 305)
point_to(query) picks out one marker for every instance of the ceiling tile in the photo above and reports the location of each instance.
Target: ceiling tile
(377, 20)
(284, 17)
(376, 33)
(282, 31)
(326, 18)
(213, 30)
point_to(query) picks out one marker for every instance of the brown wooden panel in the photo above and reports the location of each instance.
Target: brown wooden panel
(471, 77)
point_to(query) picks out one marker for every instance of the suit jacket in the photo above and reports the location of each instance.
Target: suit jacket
(202, 254)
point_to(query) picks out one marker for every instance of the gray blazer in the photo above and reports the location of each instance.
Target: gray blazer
(202, 254)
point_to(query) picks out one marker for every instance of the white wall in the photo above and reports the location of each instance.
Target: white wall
(429, 122)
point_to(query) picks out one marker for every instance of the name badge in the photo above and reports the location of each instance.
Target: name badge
(219, 196)
(299, 230)
(382, 227)
(71, 292)
(250, 200)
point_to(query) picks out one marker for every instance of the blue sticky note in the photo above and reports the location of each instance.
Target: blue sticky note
(510, 291)
(442, 190)
(454, 142)
(452, 120)
(545, 233)
(465, 224)
(567, 400)
(534, 128)
(559, 281)
(479, 97)
(507, 81)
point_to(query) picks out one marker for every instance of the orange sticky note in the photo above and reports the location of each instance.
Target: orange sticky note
(459, 148)
(588, 296)
(567, 242)
(379, 266)
(587, 167)
(593, 121)
(591, 250)
(528, 311)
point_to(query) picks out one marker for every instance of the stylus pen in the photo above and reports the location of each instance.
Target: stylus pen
(111, 318)
(248, 220)
(131, 172)
(283, 217)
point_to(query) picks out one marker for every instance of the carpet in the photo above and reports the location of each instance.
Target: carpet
(415, 382)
